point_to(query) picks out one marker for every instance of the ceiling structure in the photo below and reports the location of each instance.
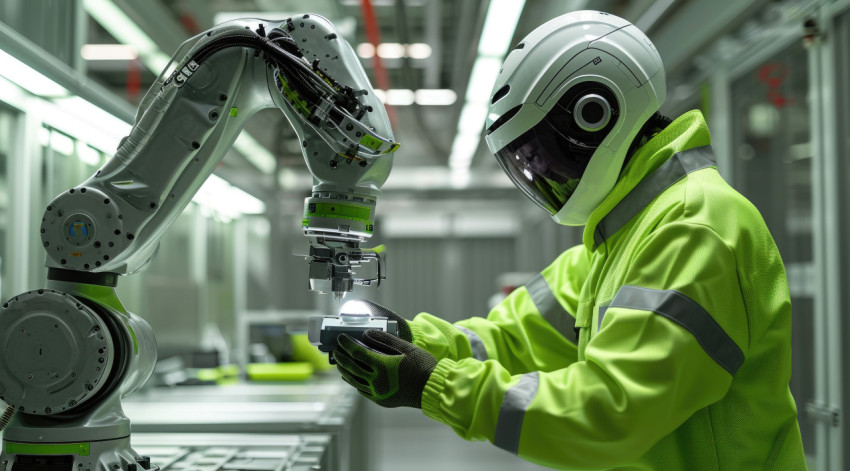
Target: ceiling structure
(451, 28)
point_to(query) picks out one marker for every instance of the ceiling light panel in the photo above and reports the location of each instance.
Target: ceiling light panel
(109, 52)
(394, 50)
(28, 78)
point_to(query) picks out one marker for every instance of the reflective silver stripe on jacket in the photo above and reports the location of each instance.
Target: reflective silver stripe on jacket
(687, 313)
(511, 414)
(551, 310)
(679, 165)
(478, 350)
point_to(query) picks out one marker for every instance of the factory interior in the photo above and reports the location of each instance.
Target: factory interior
(231, 381)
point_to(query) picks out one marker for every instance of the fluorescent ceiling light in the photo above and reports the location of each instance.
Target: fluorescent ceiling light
(404, 97)
(394, 50)
(391, 50)
(366, 50)
(28, 78)
(11, 93)
(463, 148)
(499, 26)
(122, 28)
(419, 51)
(460, 177)
(255, 153)
(44, 136)
(87, 154)
(481, 80)
(435, 97)
(400, 97)
(288, 179)
(61, 143)
(108, 52)
(227, 200)
(88, 123)
(471, 120)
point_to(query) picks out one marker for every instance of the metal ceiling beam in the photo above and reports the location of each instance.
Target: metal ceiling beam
(157, 21)
(688, 29)
(75, 82)
(433, 26)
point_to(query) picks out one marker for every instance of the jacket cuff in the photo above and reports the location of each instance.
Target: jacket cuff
(432, 394)
(417, 334)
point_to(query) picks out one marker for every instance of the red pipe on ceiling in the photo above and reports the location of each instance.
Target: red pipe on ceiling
(373, 35)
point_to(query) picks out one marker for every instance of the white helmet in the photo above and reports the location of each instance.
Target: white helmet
(569, 101)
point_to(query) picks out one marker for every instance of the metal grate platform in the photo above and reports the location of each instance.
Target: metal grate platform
(234, 452)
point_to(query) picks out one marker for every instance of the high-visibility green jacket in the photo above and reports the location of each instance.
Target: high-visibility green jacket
(662, 342)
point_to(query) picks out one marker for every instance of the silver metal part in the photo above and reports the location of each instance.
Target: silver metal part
(334, 263)
(824, 413)
(55, 352)
(598, 118)
(83, 229)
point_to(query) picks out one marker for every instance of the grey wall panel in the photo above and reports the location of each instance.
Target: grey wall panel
(452, 278)
(47, 23)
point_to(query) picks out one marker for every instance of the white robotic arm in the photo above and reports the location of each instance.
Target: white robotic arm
(191, 115)
(70, 352)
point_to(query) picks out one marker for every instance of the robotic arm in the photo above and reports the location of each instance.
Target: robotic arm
(190, 117)
(71, 351)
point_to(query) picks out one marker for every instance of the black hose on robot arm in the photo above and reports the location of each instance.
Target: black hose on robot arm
(6, 417)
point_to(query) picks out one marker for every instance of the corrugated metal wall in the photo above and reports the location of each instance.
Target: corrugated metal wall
(451, 278)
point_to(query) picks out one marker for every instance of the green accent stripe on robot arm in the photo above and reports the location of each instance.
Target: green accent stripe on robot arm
(106, 295)
(375, 144)
(340, 211)
(81, 449)
(300, 105)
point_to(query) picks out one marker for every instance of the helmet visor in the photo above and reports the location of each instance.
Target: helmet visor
(546, 164)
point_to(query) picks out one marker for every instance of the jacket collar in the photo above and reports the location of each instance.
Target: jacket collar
(686, 132)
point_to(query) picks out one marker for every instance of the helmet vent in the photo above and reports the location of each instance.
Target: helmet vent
(503, 119)
(500, 93)
(520, 46)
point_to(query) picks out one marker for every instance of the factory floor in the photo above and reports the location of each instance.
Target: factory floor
(405, 439)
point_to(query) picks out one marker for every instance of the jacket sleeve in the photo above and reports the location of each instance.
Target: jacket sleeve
(660, 355)
(532, 329)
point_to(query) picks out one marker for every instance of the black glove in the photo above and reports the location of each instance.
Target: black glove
(389, 371)
(377, 310)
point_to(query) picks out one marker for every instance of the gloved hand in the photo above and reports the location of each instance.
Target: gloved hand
(377, 310)
(389, 371)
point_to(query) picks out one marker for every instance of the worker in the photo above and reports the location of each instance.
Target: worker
(663, 341)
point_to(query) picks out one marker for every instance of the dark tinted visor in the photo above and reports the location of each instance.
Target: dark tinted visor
(545, 163)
